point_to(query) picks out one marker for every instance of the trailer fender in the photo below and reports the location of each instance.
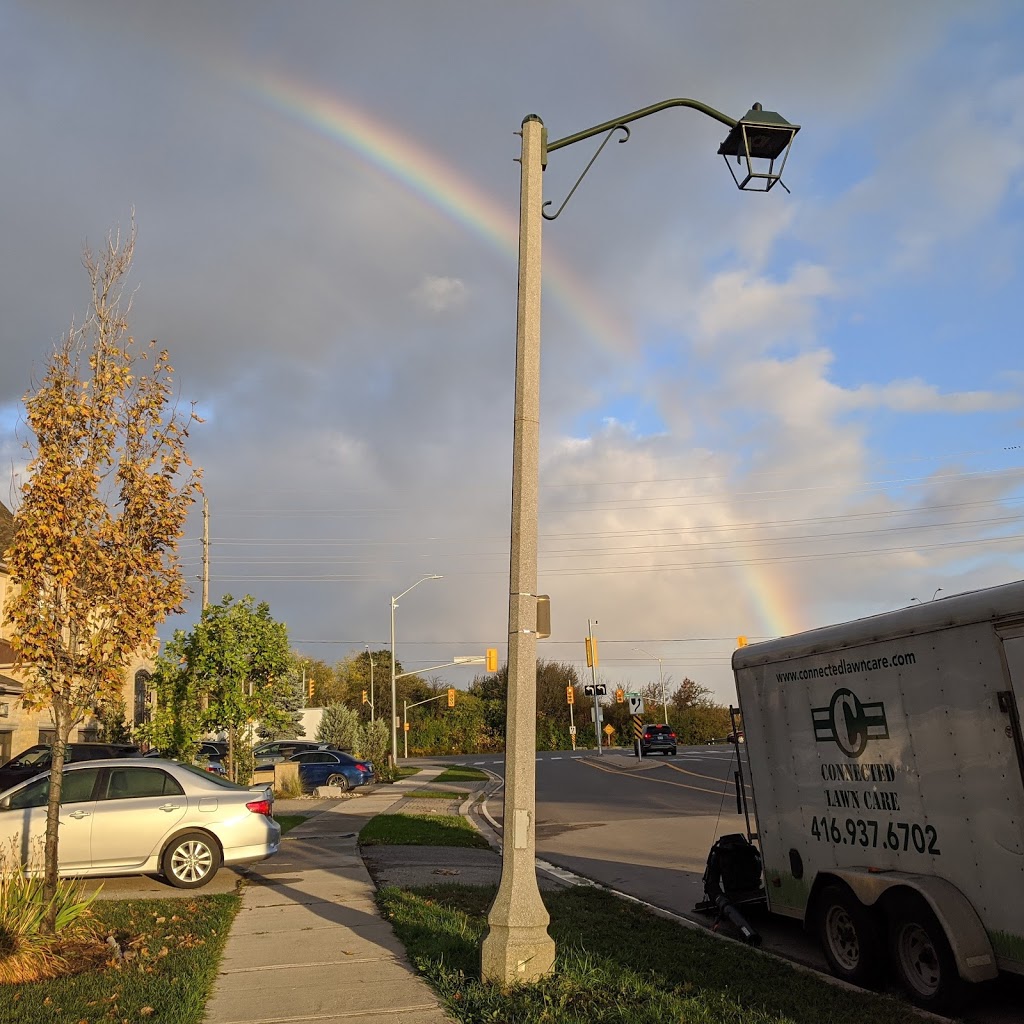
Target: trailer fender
(972, 949)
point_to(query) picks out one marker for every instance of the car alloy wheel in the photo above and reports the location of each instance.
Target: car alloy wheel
(338, 780)
(191, 860)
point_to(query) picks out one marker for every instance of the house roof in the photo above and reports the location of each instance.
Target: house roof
(10, 687)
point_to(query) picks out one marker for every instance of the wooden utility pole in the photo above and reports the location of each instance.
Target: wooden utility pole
(206, 551)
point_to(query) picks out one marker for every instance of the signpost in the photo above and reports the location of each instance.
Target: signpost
(636, 712)
(596, 690)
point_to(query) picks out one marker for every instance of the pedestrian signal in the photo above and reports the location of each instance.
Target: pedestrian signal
(451, 696)
(620, 695)
(570, 695)
(492, 659)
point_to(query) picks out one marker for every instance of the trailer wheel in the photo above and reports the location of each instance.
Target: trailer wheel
(850, 936)
(922, 956)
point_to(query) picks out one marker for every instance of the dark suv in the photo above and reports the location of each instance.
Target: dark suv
(36, 759)
(658, 739)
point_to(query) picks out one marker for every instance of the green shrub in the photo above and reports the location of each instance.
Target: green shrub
(28, 951)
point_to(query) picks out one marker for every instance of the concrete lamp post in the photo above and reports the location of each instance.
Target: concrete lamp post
(517, 947)
(394, 691)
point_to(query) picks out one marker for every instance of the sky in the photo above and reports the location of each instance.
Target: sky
(760, 413)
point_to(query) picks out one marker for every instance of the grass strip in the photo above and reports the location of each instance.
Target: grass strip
(434, 794)
(406, 772)
(289, 821)
(416, 830)
(462, 773)
(616, 962)
(171, 952)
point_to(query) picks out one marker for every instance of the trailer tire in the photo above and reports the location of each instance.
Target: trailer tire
(850, 936)
(922, 957)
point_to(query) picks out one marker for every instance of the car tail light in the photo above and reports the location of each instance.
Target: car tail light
(359, 766)
(671, 735)
(259, 807)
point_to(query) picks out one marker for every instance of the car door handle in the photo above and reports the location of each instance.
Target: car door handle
(170, 807)
(80, 814)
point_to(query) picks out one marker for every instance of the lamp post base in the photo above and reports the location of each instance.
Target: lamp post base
(512, 955)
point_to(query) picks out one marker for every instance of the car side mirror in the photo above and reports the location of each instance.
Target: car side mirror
(5, 804)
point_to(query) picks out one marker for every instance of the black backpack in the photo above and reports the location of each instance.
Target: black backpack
(734, 868)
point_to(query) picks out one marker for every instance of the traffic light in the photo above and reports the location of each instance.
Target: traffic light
(451, 696)
(620, 695)
(741, 641)
(366, 699)
(310, 681)
(591, 642)
(492, 659)
(570, 695)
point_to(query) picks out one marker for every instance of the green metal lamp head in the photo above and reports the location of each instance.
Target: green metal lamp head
(762, 136)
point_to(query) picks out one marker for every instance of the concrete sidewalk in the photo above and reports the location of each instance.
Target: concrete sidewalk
(309, 944)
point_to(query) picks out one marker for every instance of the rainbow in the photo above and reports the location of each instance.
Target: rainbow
(424, 175)
(438, 184)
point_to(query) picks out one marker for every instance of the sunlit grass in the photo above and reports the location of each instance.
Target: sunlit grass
(169, 950)
(616, 963)
(418, 830)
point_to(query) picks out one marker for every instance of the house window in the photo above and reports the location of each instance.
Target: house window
(47, 735)
(141, 710)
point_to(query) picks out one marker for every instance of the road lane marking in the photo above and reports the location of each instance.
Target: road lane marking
(646, 776)
(697, 775)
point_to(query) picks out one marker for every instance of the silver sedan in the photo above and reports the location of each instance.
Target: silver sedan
(142, 816)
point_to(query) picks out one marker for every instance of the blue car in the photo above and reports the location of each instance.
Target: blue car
(331, 768)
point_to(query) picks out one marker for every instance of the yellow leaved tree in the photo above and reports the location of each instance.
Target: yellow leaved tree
(103, 504)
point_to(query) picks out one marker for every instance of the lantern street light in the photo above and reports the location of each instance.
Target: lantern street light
(517, 947)
(394, 692)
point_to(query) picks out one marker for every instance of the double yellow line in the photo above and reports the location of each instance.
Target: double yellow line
(666, 782)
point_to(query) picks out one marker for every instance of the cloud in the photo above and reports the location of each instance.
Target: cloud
(756, 312)
(440, 294)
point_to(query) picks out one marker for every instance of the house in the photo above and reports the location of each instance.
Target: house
(20, 728)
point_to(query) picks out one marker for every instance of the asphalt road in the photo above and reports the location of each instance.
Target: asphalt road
(646, 831)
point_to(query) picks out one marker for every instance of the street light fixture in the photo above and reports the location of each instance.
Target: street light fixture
(661, 677)
(517, 947)
(394, 692)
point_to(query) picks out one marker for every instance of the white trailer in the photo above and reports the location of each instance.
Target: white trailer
(887, 771)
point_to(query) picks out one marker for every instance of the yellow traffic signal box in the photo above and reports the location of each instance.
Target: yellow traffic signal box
(620, 695)
(492, 659)
(591, 642)
(451, 696)
(570, 695)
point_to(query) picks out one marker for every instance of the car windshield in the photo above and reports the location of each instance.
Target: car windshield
(33, 757)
